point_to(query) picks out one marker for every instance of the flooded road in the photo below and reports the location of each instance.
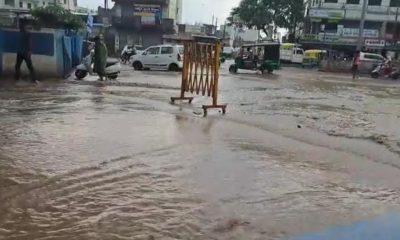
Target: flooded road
(299, 152)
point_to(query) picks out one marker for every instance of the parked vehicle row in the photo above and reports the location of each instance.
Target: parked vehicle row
(264, 57)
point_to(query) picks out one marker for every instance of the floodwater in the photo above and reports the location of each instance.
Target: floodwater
(298, 153)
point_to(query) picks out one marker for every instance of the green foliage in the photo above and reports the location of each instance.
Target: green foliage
(57, 17)
(261, 14)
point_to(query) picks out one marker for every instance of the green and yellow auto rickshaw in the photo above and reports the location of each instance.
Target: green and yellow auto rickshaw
(258, 57)
(313, 58)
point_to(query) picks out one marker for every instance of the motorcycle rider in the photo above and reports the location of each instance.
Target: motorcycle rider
(387, 63)
(127, 52)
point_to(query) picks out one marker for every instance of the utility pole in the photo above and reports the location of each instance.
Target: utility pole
(224, 33)
(360, 43)
(396, 32)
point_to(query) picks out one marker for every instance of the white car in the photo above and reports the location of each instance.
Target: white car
(162, 57)
(369, 61)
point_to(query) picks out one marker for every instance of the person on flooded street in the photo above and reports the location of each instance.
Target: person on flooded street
(100, 57)
(24, 53)
(356, 65)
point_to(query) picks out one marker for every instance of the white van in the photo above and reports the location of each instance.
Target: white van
(161, 57)
(291, 53)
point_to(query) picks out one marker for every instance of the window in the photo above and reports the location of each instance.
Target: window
(395, 3)
(299, 52)
(29, 5)
(9, 2)
(153, 51)
(44, 3)
(167, 50)
(65, 2)
(331, 1)
(21, 4)
(355, 2)
(375, 2)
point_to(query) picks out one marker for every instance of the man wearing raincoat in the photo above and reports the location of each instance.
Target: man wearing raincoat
(100, 57)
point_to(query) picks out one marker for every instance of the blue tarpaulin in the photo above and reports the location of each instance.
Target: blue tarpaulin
(67, 53)
(1, 51)
(76, 48)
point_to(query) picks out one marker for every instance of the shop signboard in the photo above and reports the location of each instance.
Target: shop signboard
(323, 13)
(150, 14)
(375, 43)
(353, 32)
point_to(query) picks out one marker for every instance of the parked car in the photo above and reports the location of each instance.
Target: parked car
(369, 61)
(291, 53)
(161, 57)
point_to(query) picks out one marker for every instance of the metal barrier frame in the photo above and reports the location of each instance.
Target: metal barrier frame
(200, 73)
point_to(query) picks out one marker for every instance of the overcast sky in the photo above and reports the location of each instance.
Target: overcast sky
(193, 10)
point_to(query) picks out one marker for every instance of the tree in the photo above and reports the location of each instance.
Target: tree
(292, 17)
(261, 14)
(55, 16)
(252, 14)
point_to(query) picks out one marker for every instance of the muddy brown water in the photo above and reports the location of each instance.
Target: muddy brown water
(117, 161)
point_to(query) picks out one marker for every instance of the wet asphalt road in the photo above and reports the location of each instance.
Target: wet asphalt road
(300, 155)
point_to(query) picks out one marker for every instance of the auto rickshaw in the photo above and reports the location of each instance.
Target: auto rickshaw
(313, 58)
(258, 57)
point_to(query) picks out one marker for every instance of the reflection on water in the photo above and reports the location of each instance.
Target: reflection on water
(84, 161)
(72, 168)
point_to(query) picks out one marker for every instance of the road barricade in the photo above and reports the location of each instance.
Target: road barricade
(200, 73)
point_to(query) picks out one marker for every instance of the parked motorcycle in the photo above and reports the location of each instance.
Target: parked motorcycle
(385, 70)
(113, 67)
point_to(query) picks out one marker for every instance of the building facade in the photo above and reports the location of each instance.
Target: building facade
(140, 22)
(336, 23)
(30, 4)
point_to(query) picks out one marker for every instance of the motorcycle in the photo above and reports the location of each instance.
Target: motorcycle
(113, 67)
(127, 53)
(386, 70)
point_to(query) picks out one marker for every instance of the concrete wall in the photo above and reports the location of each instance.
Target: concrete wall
(51, 57)
(43, 52)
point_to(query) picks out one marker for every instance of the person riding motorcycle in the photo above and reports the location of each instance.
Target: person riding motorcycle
(127, 52)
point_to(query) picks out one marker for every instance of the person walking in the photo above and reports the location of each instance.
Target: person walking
(24, 53)
(100, 57)
(356, 65)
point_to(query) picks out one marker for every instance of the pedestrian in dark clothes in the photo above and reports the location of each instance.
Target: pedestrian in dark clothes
(356, 65)
(24, 53)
